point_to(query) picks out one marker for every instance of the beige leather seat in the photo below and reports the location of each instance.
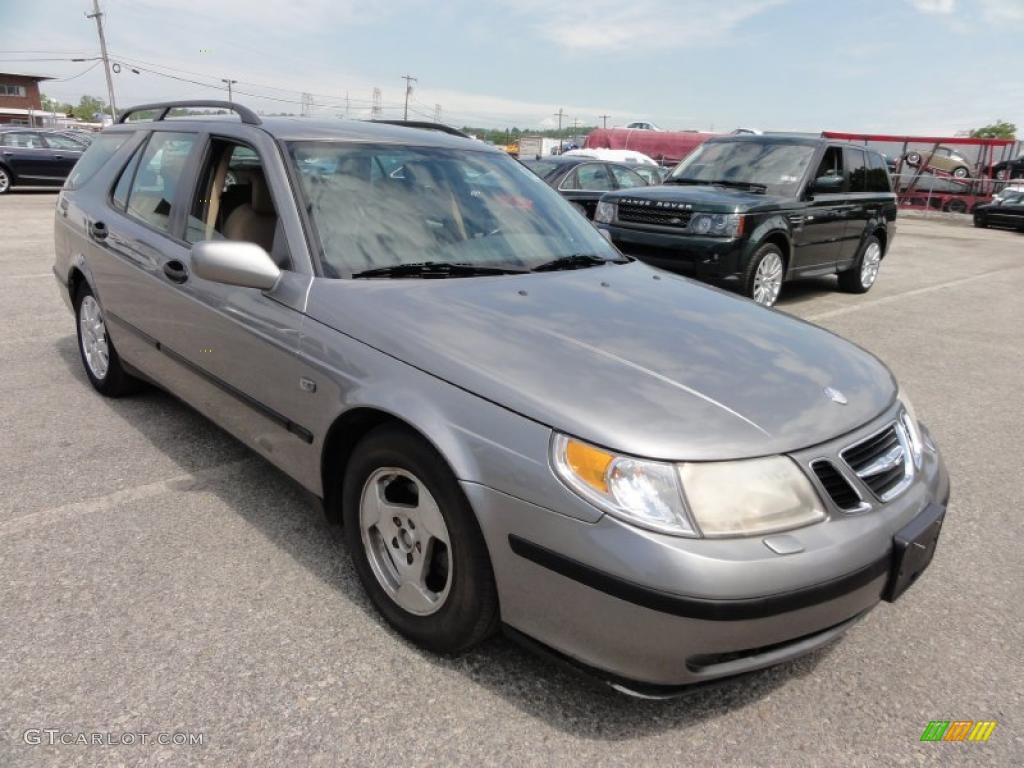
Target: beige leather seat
(255, 221)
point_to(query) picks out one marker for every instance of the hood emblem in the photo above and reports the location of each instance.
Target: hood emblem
(835, 396)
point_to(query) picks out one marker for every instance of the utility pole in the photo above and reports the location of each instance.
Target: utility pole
(230, 83)
(346, 104)
(103, 55)
(376, 110)
(559, 114)
(604, 118)
(437, 113)
(409, 80)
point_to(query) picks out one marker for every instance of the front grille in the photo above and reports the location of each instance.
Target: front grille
(836, 486)
(631, 213)
(882, 461)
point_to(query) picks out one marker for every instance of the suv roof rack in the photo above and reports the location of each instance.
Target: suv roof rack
(163, 107)
(425, 125)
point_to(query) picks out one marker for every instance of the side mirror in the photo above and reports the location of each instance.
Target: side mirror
(233, 262)
(824, 185)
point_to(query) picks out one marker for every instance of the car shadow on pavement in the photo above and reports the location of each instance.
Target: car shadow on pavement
(540, 687)
(805, 289)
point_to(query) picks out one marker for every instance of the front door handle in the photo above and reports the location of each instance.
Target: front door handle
(98, 230)
(176, 271)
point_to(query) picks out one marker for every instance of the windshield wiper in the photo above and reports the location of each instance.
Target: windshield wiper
(574, 261)
(436, 269)
(751, 185)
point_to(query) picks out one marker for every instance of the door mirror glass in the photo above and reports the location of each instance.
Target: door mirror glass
(234, 263)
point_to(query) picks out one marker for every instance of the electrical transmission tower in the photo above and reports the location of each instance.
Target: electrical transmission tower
(376, 110)
(437, 113)
(307, 104)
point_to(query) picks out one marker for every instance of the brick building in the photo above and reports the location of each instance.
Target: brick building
(19, 97)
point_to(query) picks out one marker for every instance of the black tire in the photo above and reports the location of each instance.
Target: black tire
(750, 273)
(956, 206)
(469, 613)
(6, 180)
(980, 222)
(850, 279)
(116, 382)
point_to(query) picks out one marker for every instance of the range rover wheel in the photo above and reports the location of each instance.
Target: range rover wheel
(763, 279)
(862, 275)
(102, 364)
(5, 181)
(415, 542)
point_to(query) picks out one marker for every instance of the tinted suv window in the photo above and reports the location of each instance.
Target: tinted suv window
(101, 150)
(157, 177)
(856, 169)
(878, 174)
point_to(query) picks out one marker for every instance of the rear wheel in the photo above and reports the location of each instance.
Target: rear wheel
(956, 206)
(862, 275)
(5, 181)
(101, 361)
(913, 158)
(762, 281)
(961, 172)
(415, 542)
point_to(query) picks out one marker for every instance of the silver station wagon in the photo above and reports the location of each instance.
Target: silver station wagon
(516, 426)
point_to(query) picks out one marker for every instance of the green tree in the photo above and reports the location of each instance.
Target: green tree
(88, 106)
(1000, 129)
(52, 105)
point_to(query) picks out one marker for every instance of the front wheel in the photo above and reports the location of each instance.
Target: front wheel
(961, 172)
(862, 275)
(5, 181)
(415, 542)
(763, 279)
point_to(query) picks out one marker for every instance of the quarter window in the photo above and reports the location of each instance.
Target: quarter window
(627, 179)
(95, 157)
(156, 180)
(878, 174)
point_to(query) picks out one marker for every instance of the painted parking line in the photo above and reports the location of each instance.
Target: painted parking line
(37, 276)
(177, 484)
(914, 292)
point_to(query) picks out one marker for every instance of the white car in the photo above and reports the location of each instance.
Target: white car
(643, 126)
(627, 156)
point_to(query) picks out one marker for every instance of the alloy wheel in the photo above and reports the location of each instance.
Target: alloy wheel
(5, 181)
(406, 540)
(94, 337)
(768, 280)
(870, 264)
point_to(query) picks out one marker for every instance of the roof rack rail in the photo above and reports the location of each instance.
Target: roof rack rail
(425, 125)
(164, 107)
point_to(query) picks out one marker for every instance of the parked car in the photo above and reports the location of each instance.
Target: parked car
(628, 156)
(1008, 169)
(36, 158)
(1010, 188)
(82, 137)
(642, 125)
(652, 174)
(1008, 211)
(942, 158)
(753, 211)
(514, 424)
(582, 180)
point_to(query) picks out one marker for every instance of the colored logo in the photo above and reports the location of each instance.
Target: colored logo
(958, 730)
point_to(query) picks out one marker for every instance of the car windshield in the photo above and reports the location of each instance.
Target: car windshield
(381, 206)
(775, 167)
(542, 168)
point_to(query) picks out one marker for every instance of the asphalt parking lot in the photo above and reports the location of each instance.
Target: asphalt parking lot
(159, 577)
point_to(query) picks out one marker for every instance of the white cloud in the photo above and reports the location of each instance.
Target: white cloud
(605, 25)
(934, 6)
(992, 11)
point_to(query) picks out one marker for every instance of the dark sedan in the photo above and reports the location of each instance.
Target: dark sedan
(36, 158)
(582, 180)
(1007, 212)
(1008, 169)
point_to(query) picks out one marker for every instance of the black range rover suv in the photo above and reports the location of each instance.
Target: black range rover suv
(752, 211)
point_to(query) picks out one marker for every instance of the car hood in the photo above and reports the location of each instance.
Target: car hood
(702, 197)
(625, 356)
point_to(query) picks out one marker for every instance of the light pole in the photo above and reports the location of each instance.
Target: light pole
(230, 83)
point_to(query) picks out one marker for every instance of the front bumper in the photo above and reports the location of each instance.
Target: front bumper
(648, 612)
(713, 258)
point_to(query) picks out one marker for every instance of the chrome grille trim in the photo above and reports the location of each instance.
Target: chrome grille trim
(883, 461)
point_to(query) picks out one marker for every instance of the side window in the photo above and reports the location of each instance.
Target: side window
(831, 164)
(856, 169)
(25, 140)
(233, 202)
(878, 174)
(627, 179)
(53, 141)
(156, 180)
(95, 157)
(593, 177)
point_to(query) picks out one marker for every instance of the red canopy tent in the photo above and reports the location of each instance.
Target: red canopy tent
(665, 147)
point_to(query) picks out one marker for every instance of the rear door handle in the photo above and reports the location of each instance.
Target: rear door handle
(176, 271)
(98, 230)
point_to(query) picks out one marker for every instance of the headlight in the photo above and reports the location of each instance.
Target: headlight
(717, 224)
(910, 424)
(605, 213)
(741, 498)
(730, 498)
(645, 493)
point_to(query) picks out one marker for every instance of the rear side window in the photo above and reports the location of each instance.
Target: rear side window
(878, 174)
(627, 179)
(856, 169)
(124, 181)
(158, 176)
(592, 178)
(95, 157)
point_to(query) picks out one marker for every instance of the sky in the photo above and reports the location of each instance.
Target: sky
(921, 67)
